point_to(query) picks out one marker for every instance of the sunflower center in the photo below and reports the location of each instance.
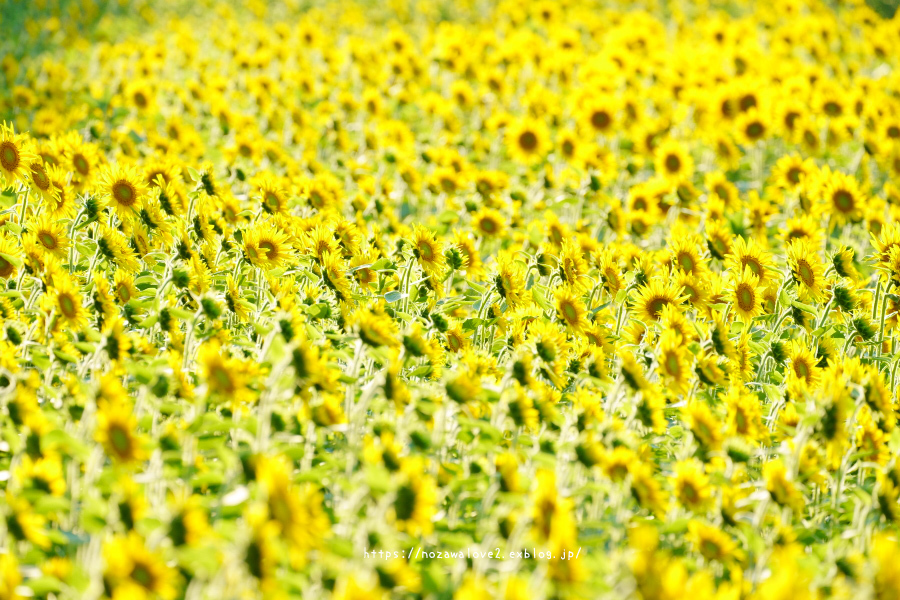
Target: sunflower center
(269, 249)
(568, 148)
(672, 365)
(569, 312)
(39, 177)
(656, 305)
(47, 240)
(843, 201)
(222, 379)
(6, 267)
(488, 226)
(686, 261)
(754, 265)
(893, 132)
(67, 306)
(721, 192)
(806, 274)
(9, 156)
(793, 175)
(123, 293)
(81, 164)
(600, 119)
(272, 202)
(673, 163)
(801, 369)
(746, 298)
(124, 193)
(426, 251)
(120, 440)
(755, 130)
(528, 141)
(142, 575)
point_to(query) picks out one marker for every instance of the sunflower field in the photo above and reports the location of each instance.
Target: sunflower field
(449, 300)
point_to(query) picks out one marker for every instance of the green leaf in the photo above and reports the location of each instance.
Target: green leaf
(803, 307)
(13, 260)
(394, 296)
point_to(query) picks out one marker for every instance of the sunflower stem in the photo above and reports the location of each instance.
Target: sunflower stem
(883, 310)
(824, 314)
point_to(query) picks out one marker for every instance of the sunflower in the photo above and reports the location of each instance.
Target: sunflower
(15, 156)
(790, 171)
(691, 485)
(806, 269)
(720, 187)
(712, 542)
(748, 254)
(50, 235)
(60, 204)
(685, 254)
(40, 182)
(752, 126)
(334, 275)
(272, 193)
(65, 299)
(112, 246)
(527, 140)
(573, 269)
(9, 257)
(803, 364)
(226, 377)
(509, 280)
(674, 362)
(429, 251)
(746, 296)
(489, 223)
(376, 328)
(235, 301)
(123, 189)
(116, 430)
(134, 571)
(570, 309)
(673, 162)
(652, 297)
(599, 114)
(265, 246)
(844, 198)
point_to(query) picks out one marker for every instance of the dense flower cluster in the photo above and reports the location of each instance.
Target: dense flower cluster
(281, 283)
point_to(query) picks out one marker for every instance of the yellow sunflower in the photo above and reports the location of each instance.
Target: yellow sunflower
(16, 156)
(123, 189)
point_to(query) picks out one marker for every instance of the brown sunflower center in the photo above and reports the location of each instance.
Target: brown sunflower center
(805, 272)
(600, 119)
(426, 251)
(124, 193)
(843, 201)
(746, 297)
(9, 156)
(39, 177)
(528, 141)
(269, 249)
(67, 306)
(6, 268)
(753, 264)
(120, 440)
(673, 163)
(81, 164)
(686, 261)
(47, 240)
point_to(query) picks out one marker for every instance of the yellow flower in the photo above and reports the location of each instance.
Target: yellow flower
(16, 156)
(527, 140)
(123, 189)
(135, 571)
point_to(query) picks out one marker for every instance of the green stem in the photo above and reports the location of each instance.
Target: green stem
(883, 309)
